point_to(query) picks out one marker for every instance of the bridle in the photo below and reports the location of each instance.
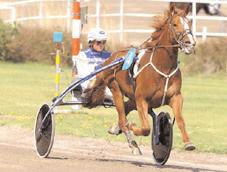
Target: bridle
(179, 36)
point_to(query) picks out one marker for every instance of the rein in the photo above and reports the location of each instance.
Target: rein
(162, 46)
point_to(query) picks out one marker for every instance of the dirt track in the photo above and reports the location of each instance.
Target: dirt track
(83, 154)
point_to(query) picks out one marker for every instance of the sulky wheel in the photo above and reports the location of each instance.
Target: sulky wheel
(162, 144)
(44, 132)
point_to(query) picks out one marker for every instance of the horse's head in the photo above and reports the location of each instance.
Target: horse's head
(180, 27)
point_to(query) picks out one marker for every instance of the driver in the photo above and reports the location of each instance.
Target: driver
(89, 60)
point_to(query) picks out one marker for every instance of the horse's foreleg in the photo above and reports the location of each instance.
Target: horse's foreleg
(142, 108)
(176, 102)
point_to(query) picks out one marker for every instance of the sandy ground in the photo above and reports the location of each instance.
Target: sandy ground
(17, 154)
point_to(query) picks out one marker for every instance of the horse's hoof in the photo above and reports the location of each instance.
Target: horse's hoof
(189, 147)
(114, 130)
(135, 148)
(136, 151)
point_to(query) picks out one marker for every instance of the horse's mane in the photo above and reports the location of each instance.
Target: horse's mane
(159, 21)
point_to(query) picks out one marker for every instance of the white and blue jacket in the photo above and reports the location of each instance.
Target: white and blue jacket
(96, 58)
(89, 60)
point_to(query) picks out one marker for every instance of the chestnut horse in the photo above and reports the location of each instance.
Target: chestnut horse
(157, 81)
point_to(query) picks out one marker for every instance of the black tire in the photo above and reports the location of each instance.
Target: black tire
(161, 151)
(44, 137)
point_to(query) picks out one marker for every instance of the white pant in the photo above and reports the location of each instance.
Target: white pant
(83, 67)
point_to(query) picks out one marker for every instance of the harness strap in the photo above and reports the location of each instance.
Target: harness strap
(167, 77)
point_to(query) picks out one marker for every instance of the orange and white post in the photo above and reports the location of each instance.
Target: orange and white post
(76, 30)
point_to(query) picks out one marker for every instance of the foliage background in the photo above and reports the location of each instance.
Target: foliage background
(35, 45)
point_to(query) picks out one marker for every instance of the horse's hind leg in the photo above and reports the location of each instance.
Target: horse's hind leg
(142, 108)
(176, 102)
(129, 106)
(119, 103)
(122, 121)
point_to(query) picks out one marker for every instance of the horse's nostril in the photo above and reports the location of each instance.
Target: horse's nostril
(190, 43)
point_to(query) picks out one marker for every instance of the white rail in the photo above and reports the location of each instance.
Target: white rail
(13, 12)
(121, 30)
(194, 17)
(194, 1)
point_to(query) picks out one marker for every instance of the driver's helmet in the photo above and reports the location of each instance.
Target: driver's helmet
(214, 8)
(97, 34)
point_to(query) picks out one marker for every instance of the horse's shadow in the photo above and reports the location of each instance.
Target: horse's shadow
(143, 164)
(139, 163)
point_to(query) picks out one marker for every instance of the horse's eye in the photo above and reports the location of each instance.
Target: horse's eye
(175, 25)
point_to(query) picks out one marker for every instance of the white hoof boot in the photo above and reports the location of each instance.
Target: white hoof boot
(135, 148)
(189, 146)
(114, 130)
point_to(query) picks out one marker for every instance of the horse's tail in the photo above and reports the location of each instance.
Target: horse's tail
(95, 95)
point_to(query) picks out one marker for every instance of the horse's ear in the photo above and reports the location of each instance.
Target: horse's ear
(188, 9)
(172, 7)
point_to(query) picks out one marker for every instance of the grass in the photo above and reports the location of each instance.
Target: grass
(24, 87)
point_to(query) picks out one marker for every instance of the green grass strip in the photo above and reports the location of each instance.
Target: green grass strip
(25, 87)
